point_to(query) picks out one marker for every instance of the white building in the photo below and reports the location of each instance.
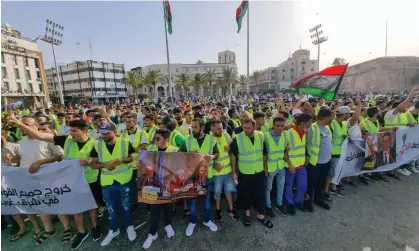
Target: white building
(89, 81)
(281, 76)
(22, 70)
(226, 59)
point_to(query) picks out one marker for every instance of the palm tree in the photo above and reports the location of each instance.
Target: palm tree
(152, 78)
(339, 61)
(228, 78)
(198, 82)
(256, 75)
(242, 82)
(134, 80)
(210, 78)
(184, 80)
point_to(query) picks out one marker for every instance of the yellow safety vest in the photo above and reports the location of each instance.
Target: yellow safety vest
(206, 148)
(136, 142)
(224, 157)
(264, 128)
(154, 148)
(313, 147)
(296, 148)
(72, 151)
(339, 134)
(122, 173)
(172, 138)
(150, 134)
(269, 123)
(250, 155)
(370, 126)
(236, 123)
(410, 118)
(275, 151)
(399, 121)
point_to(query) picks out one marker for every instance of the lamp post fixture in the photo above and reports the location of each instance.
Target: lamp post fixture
(53, 35)
(318, 38)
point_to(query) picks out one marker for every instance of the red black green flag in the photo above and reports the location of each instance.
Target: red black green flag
(240, 12)
(168, 15)
(324, 84)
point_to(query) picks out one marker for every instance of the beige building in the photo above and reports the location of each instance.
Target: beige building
(22, 70)
(290, 70)
(226, 59)
(382, 74)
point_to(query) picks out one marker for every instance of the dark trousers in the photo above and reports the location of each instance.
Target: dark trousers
(155, 216)
(316, 179)
(251, 191)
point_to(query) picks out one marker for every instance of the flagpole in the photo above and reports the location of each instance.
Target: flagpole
(168, 58)
(248, 81)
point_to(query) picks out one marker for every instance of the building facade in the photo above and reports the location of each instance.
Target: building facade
(89, 82)
(382, 74)
(226, 59)
(283, 75)
(22, 70)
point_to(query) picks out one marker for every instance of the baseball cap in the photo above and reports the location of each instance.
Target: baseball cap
(343, 110)
(107, 127)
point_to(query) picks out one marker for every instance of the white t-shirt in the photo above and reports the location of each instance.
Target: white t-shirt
(94, 134)
(354, 131)
(64, 130)
(185, 129)
(32, 150)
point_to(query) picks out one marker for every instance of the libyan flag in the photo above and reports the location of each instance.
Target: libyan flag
(240, 12)
(324, 84)
(168, 15)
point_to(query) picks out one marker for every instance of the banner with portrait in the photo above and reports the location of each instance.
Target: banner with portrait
(58, 188)
(379, 152)
(165, 177)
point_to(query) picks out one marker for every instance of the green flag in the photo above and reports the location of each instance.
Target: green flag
(240, 12)
(168, 15)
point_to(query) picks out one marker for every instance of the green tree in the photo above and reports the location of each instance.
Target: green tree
(210, 77)
(228, 79)
(134, 80)
(198, 81)
(184, 80)
(339, 61)
(242, 82)
(153, 78)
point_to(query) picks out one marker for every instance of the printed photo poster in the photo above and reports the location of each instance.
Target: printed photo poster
(381, 150)
(165, 177)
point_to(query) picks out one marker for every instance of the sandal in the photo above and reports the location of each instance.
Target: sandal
(266, 222)
(44, 237)
(67, 237)
(247, 221)
(37, 235)
(18, 236)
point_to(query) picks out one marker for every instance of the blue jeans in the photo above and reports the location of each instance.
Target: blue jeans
(207, 204)
(224, 183)
(280, 181)
(112, 195)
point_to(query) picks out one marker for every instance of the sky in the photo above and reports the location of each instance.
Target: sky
(133, 33)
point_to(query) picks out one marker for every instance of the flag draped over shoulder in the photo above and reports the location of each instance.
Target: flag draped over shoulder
(324, 84)
(240, 12)
(168, 15)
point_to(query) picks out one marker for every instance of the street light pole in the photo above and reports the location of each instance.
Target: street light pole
(53, 36)
(318, 38)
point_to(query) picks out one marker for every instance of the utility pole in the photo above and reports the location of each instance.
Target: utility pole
(53, 36)
(317, 36)
(386, 35)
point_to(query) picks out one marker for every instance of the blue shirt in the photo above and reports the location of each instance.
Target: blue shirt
(276, 138)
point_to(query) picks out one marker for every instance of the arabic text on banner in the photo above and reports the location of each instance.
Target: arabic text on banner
(380, 152)
(169, 176)
(58, 188)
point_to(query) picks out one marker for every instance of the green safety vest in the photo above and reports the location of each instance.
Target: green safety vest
(236, 123)
(399, 121)
(206, 148)
(139, 134)
(19, 134)
(296, 148)
(172, 138)
(313, 147)
(264, 128)
(410, 118)
(370, 126)
(154, 148)
(72, 151)
(150, 134)
(224, 157)
(250, 155)
(339, 134)
(275, 151)
(122, 173)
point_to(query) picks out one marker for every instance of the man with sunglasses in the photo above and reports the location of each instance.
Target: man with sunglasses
(274, 165)
(161, 144)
